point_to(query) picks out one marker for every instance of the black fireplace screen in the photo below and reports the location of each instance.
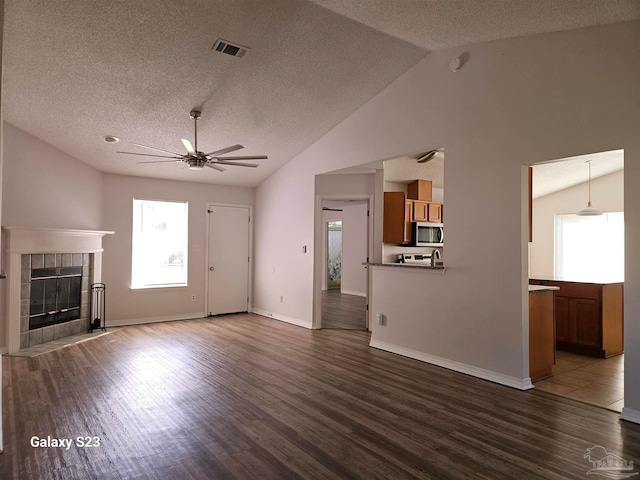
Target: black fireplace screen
(55, 296)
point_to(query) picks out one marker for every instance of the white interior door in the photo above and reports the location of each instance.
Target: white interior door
(228, 259)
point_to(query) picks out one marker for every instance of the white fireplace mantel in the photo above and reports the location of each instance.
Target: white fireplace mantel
(53, 240)
(29, 240)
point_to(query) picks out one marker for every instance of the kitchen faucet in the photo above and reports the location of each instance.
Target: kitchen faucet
(435, 255)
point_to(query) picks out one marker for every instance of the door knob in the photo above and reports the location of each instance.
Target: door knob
(211, 268)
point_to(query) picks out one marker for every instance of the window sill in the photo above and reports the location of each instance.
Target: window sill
(158, 287)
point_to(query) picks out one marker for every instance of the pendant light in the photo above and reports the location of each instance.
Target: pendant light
(589, 210)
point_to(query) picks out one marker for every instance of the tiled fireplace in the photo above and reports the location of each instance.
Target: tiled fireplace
(49, 273)
(54, 296)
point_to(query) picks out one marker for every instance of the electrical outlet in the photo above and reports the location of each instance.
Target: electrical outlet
(281, 298)
(380, 318)
(193, 297)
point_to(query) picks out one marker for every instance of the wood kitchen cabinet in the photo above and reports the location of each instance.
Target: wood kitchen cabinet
(420, 210)
(589, 317)
(541, 346)
(396, 227)
(420, 190)
(434, 212)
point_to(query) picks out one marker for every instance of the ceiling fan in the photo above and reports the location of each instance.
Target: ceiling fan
(195, 159)
(426, 156)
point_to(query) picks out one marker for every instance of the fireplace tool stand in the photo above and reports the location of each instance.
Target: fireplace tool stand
(97, 318)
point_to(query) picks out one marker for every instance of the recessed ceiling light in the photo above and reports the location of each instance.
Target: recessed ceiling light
(110, 139)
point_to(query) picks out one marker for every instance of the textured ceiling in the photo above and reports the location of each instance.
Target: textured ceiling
(77, 70)
(568, 172)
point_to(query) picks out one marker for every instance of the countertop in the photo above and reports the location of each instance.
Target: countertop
(542, 288)
(404, 265)
(597, 281)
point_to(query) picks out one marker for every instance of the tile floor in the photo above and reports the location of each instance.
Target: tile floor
(57, 344)
(591, 380)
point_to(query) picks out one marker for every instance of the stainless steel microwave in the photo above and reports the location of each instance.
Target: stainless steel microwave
(427, 234)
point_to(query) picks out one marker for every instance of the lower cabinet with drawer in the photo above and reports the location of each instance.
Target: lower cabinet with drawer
(589, 318)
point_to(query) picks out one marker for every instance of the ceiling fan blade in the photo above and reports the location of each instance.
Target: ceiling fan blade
(156, 149)
(188, 146)
(163, 161)
(236, 164)
(177, 157)
(247, 157)
(222, 151)
(425, 157)
(215, 167)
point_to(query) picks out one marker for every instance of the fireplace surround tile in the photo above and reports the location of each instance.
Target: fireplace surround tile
(37, 260)
(25, 291)
(49, 260)
(24, 307)
(77, 260)
(29, 262)
(67, 260)
(35, 337)
(47, 333)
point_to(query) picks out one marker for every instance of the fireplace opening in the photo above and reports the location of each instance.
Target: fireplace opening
(55, 296)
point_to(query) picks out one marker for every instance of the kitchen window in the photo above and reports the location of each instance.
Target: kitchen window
(590, 248)
(159, 244)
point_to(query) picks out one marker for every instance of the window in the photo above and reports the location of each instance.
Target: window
(590, 248)
(159, 244)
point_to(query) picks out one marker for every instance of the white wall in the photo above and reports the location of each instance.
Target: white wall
(514, 102)
(126, 306)
(47, 188)
(607, 194)
(354, 247)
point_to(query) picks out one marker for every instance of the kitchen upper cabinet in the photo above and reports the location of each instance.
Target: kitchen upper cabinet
(589, 317)
(408, 218)
(396, 226)
(420, 211)
(434, 213)
(420, 190)
(400, 210)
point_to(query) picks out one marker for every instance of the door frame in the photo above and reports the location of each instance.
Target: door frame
(319, 262)
(206, 253)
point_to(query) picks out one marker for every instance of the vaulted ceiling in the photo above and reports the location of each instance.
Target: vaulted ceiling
(76, 70)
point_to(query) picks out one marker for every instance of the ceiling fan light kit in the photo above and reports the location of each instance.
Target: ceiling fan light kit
(195, 159)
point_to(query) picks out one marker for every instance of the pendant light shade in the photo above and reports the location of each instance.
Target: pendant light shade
(589, 210)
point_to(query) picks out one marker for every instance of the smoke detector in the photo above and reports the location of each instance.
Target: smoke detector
(233, 49)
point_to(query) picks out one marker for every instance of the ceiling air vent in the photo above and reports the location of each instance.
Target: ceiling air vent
(229, 48)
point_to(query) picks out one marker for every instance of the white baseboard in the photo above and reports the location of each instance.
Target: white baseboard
(630, 415)
(282, 318)
(165, 318)
(349, 292)
(513, 382)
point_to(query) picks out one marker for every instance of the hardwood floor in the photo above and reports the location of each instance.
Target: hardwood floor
(341, 310)
(246, 397)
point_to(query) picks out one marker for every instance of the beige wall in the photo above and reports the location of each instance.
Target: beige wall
(126, 306)
(47, 188)
(514, 102)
